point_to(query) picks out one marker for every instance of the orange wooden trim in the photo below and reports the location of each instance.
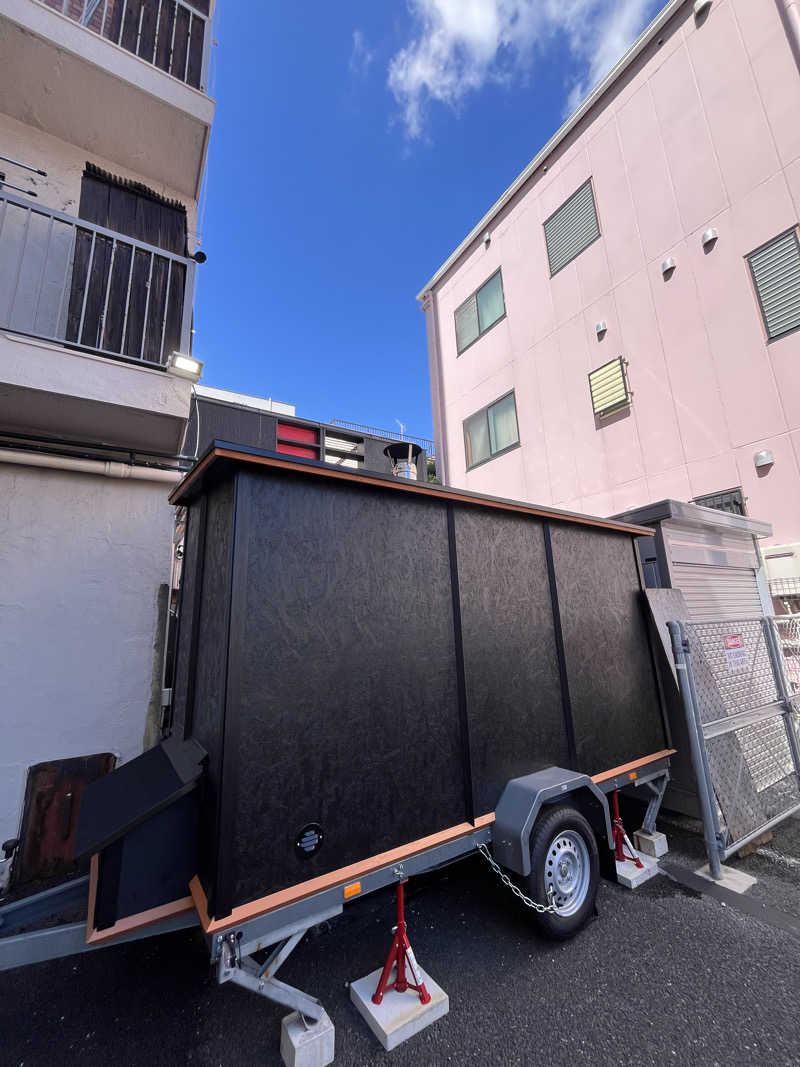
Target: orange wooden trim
(402, 486)
(324, 881)
(200, 901)
(597, 778)
(485, 820)
(141, 919)
(94, 870)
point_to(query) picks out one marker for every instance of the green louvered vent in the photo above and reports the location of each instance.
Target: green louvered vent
(572, 228)
(776, 273)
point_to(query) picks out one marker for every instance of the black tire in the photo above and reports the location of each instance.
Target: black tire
(545, 850)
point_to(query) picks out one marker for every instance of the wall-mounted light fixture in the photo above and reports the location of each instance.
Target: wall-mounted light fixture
(709, 237)
(668, 266)
(185, 366)
(487, 239)
(762, 459)
(701, 7)
(601, 329)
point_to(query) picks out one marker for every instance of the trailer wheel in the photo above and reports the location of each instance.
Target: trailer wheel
(563, 858)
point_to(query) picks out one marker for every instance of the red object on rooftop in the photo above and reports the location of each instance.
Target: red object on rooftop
(306, 438)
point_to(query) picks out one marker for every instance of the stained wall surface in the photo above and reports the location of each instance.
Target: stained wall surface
(81, 558)
(701, 131)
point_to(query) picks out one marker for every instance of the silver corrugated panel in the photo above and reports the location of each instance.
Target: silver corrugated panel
(572, 228)
(776, 273)
(717, 592)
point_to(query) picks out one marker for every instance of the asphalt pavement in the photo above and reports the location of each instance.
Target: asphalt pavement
(662, 975)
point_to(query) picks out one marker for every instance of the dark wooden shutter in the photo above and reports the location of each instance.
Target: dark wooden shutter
(131, 210)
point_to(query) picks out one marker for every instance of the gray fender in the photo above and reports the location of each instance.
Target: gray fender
(521, 802)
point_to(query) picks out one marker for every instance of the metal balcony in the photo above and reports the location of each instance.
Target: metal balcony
(74, 283)
(172, 35)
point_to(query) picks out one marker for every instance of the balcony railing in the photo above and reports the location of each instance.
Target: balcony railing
(172, 35)
(69, 281)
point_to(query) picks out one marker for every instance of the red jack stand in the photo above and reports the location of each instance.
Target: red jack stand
(621, 838)
(399, 954)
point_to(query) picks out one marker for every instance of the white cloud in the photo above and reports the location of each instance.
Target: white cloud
(461, 45)
(361, 56)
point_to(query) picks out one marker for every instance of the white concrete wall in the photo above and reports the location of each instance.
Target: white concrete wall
(64, 163)
(81, 559)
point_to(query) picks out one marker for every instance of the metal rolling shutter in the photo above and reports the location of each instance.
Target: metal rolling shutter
(572, 228)
(717, 592)
(776, 274)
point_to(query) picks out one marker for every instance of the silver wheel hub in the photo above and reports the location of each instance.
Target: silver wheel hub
(567, 872)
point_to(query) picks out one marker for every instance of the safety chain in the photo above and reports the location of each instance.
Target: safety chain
(542, 909)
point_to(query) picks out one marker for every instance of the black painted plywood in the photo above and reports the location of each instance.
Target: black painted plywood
(513, 693)
(612, 685)
(208, 705)
(347, 692)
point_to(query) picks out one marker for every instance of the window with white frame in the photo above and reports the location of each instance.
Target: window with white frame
(491, 431)
(479, 312)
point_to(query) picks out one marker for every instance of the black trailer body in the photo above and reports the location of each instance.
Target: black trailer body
(368, 662)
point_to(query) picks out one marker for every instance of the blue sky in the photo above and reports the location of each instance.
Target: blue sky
(355, 145)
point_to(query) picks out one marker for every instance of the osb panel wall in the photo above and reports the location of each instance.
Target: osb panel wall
(612, 686)
(348, 696)
(514, 705)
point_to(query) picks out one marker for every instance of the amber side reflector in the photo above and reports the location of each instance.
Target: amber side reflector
(352, 890)
(632, 776)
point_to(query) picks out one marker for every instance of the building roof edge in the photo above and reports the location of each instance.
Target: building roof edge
(599, 90)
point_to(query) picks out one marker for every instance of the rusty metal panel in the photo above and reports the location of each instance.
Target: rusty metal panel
(50, 816)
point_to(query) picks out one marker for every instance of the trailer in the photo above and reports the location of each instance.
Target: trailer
(374, 677)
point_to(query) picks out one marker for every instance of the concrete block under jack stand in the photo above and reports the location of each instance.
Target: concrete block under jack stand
(631, 876)
(400, 1015)
(654, 844)
(306, 1044)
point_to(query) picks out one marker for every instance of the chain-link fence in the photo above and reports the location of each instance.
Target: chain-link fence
(739, 680)
(787, 628)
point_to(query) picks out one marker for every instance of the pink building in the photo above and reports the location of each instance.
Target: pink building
(654, 238)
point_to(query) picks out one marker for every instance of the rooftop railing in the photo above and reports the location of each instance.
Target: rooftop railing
(172, 35)
(78, 284)
(424, 442)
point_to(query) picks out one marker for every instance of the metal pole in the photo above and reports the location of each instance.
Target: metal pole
(700, 731)
(25, 166)
(188, 309)
(712, 844)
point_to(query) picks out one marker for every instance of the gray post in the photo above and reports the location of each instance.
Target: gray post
(687, 652)
(712, 844)
(208, 34)
(188, 309)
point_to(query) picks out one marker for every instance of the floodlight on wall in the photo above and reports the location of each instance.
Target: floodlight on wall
(487, 239)
(709, 237)
(668, 266)
(601, 329)
(608, 386)
(762, 459)
(701, 7)
(185, 366)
